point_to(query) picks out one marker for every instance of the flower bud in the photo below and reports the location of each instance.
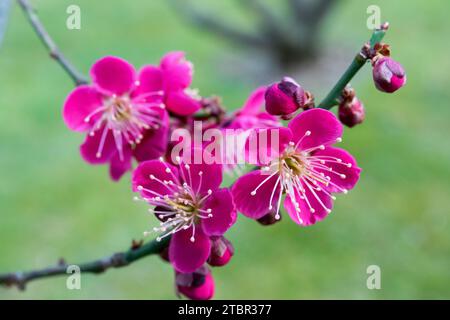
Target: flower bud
(221, 252)
(351, 112)
(388, 75)
(198, 285)
(270, 218)
(284, 98)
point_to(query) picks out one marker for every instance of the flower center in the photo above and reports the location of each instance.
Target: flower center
(182, 207)
(302, 175)
(126, 118)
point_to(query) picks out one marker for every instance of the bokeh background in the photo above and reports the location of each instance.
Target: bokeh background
(54, 205)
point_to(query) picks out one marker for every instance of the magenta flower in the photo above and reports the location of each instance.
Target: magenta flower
(173, 76)
(305, 167)
(190, 206)
(252, 114)
(123, 118)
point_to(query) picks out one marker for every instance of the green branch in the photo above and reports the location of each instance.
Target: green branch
(358, 62)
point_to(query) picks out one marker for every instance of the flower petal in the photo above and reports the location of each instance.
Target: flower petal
(223, 213)
(345, 171)
(147, 174)
(150, 80)
(265, 144)
(181, 103)
(254, 103)
(186, 255)
(117, 166)
(318, 202)
(154, 143)
(90, 147)
(202, 177)
(323, 126)
(177, 71)
(257, 205)
(80, 103)
(113, 75)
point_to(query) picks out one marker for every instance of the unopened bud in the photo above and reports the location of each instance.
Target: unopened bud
(221, 252)
(284, 98)
(351, 112)
(198, 285)
(388, 75)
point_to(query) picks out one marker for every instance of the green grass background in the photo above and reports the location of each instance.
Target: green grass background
(53, 205)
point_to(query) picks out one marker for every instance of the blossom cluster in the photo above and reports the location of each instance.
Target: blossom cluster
(132, 120)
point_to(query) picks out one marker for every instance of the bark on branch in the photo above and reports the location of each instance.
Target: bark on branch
(116, 260)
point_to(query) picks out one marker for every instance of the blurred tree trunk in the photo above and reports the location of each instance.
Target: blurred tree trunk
(290, 41)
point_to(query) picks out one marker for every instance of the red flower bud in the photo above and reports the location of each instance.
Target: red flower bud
(221, 252)
(351, 112)
(198, 285)
(388, 75)
(284, 98)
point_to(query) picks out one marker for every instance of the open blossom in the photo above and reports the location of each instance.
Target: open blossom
(190, 205)
(173, 77)
(122, 118)
(304, 166)
(252, 114)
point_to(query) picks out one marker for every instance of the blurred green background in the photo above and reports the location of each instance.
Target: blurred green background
(54, 205)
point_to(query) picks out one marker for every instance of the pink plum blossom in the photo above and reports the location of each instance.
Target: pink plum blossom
(173, 77)
(192, 208)
(305, 166)
(252, 114)
(123, 117)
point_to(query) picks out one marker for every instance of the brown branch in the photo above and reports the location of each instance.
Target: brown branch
(116, 260)
(54, 51)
